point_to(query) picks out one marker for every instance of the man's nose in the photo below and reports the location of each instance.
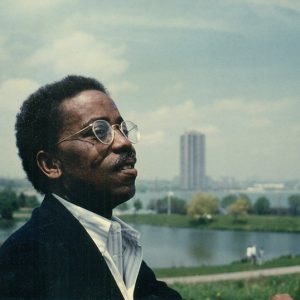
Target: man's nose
(120, 141)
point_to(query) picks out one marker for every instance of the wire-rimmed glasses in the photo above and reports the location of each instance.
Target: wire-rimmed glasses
(105, 133)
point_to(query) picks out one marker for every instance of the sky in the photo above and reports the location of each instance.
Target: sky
(228, 68)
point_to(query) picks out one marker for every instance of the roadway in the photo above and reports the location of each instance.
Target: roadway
(233, 275)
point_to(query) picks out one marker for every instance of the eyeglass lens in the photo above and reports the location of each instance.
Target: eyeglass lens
(130, 130)
(104, 131)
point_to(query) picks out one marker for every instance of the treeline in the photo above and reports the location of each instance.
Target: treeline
(14, 183)
(204, 205)
(10, 201)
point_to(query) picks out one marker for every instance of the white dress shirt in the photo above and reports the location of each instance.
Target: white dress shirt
(118, 243)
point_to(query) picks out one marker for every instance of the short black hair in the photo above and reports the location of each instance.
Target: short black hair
(39, 121)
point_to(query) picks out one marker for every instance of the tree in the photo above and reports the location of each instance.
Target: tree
(262, 206)
(124, 206)
(228, 200)
(178, 206)
(294, 204)
(247, 199)
(239, 208)
(137, 204)
(32, 201)
(8, 203)
(152, 205)
(22, 200)
(202, 205)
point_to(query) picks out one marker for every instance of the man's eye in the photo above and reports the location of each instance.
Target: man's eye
(88, 133)
(101, 132)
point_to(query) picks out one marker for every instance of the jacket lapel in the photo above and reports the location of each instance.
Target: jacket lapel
(83, 262)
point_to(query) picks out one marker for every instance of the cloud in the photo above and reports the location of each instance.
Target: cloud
(287, 4)
(12, 93)
(33, 5)
(250, 107)
(168, 117)
(156, 137)
(210, 130)
(80, 53)
(257, 123)
(173, 89)
(148, 21)
(117, 89)
(217, 119)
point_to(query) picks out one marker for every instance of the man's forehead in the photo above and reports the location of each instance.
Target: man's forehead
(87, 105)
(88, 98)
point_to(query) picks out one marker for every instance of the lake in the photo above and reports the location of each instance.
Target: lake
(168, 247)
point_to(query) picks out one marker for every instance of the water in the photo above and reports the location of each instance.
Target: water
(169, 247)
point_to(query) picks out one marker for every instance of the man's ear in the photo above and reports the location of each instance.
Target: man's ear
(49, 165)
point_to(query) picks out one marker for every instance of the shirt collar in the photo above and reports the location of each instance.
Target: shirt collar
(104, 225)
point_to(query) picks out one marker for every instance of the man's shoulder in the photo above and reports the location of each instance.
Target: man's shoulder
(45, 226)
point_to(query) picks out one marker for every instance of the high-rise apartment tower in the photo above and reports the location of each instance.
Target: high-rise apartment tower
(192, 160)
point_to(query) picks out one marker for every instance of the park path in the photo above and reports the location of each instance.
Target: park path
(233, 275)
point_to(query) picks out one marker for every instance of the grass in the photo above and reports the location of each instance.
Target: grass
(22, 214)
(258, 289)
(283, 261)
(223, 222)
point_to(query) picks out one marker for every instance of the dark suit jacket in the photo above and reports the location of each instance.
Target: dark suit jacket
(52, 257)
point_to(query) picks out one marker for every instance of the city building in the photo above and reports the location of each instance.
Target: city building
(192, 160)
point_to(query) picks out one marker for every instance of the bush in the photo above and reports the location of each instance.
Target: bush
(262, 206)
(202, 205)
(8, 203)
(228, 200)
(294, 204)
(178, 206)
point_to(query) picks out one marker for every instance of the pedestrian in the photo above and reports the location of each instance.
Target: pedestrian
(253, 255)
(249, 253)
(261, 252)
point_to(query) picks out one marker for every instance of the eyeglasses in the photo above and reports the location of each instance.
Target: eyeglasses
(105, 133)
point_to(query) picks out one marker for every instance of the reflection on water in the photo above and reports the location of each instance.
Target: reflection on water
(166, 247)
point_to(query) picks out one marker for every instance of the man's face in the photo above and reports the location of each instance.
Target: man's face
(90, 168)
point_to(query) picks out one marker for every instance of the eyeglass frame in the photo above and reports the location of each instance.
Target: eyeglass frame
(118, 126)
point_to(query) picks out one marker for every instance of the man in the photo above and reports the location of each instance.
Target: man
(77, 150)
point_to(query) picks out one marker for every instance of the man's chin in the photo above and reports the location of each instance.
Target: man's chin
(122, 195)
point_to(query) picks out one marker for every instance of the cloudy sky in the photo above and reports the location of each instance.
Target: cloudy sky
(229, 68)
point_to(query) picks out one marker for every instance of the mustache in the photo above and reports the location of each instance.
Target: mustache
(125, 157)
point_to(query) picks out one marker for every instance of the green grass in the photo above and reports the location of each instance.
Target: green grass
(258, 289)
(283, 261)
(22, 214)
(159, 220)
(223, 222)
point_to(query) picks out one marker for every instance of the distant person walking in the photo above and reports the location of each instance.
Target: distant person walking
(261, 253)
(253, 255)
(249, 253)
